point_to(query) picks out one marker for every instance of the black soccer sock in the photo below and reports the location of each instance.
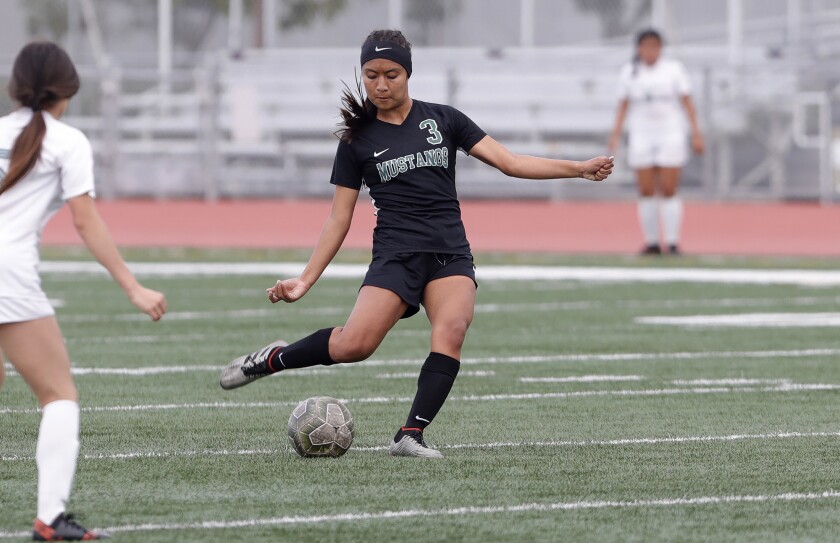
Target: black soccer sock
(436, 378)
(313, 350)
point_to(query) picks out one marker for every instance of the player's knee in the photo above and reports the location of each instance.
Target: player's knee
(453, 332)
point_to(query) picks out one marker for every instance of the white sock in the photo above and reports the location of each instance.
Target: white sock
(672, 211)
(58, 448)
(649, 219)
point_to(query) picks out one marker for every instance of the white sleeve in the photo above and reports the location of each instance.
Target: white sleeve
(77, 169)
(681, 80)
(625, 79)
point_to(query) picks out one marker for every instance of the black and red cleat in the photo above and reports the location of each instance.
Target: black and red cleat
(651, 250)
(64, 528)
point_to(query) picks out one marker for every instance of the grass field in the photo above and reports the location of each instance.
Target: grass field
(572, 419)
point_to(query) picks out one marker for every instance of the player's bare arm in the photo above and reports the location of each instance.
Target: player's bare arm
(332, 236)
(698, 143)
(94, 233)
(512, 164)
(620, 116)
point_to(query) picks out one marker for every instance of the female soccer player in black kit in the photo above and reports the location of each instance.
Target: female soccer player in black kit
(404, 151)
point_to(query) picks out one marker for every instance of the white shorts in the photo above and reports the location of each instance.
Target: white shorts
(15, 309)
(664, 149)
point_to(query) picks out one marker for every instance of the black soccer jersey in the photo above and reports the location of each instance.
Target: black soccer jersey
(409, 170)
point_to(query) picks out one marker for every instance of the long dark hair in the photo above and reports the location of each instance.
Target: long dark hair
(640, 37)
(43, 75)
(356, 109)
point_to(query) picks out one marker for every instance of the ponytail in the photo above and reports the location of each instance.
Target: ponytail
(26, 151)
(356, 111)
(42, 76)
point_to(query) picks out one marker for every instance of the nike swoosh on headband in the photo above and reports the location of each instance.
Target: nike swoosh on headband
(377, 48)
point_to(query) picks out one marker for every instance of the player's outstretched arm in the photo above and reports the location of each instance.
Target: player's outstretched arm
(500, 157)
(98, 240)
(332, 236)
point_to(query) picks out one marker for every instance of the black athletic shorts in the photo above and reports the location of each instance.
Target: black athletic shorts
(407, 274)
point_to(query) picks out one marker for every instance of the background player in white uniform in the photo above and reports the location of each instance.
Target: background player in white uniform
(43, 164)
(655, 98)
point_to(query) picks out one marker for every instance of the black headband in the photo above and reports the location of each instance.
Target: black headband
(387, 50)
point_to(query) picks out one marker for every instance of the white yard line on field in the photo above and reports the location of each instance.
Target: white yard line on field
(749, 320)
(413, 375)
(493, 445)
(502, 273)
(205, 315)
(500, 307)
(655, 304)
(536, 359)
(458, 510)
(140, 339)
(160, 370)
(729, 382)
(786, 387)
(581, 379)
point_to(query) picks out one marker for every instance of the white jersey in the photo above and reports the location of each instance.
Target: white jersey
(65, 170)
(654, 96)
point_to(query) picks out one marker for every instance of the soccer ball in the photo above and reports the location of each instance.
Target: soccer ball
(321, 426)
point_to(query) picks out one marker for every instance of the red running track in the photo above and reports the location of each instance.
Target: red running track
(569, 227)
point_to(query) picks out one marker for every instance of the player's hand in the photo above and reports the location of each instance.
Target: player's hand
(698, 144)
(150, 302)
(597, 169)
(290, 290)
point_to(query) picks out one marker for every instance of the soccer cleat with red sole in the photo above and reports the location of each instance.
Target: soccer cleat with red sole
(64, 528)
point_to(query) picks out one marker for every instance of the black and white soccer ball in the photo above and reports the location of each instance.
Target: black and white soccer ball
(321, 426)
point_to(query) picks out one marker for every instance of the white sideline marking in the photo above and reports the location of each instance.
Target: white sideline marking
(205, 315)
(750, 320)
(785, 387)
(622, 357)
(581, 379)
(159, 370)
(494, 445)
(657, 304)
(537, 359)
(485, 273)
(728, 382)
(413, 375)
(357, 516)
(139, 339)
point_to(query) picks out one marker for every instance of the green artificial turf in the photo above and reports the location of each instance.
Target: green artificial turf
(506, 442)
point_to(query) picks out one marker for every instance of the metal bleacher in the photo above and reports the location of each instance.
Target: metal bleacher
(262, 123)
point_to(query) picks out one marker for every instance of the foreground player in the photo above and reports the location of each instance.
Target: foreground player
(44, 163)
(404, 151)
(656, 91)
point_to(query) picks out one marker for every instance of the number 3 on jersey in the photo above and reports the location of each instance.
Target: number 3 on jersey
(431, 125)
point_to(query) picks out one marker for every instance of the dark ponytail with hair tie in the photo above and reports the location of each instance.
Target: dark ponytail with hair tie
(42, 76)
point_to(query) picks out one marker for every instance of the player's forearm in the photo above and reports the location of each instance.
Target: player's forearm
(99, 242)
(531, 167)
(332, 236)
(620, 115)
(691, 113)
